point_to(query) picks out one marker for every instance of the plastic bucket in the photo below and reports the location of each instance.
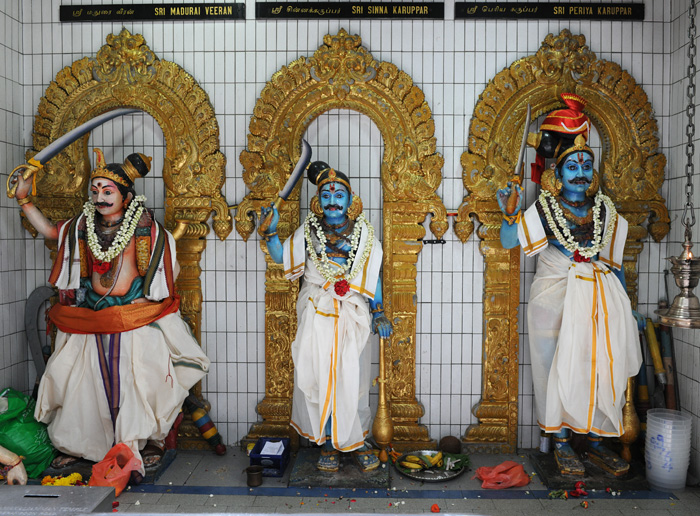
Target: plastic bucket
(667, 448)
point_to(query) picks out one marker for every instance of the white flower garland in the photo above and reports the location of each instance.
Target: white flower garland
(126, 231)
(601, 236)
(328, 271)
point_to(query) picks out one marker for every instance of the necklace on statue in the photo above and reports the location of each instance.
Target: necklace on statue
(331, 271)
(107, 224)
(105, 234)
(332, 233)
(107, 279)
(556, 220)
(125, 230)
(573, 204)
(571, 216)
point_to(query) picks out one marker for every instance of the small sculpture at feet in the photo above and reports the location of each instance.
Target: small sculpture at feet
(583, 335)
(336, 253)
(124, 359)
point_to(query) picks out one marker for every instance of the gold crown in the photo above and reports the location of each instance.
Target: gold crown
(101, 169)
(332, 178)
(578, 146)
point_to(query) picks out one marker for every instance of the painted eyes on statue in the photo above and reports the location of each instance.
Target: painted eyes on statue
(339, 194)
(573, 166)
(105, 192)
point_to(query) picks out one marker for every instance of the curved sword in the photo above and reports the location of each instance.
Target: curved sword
(516, 179)
(56, 146)
(289, 185)
(523, 143)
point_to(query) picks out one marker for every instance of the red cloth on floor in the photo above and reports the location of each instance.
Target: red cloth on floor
(506, 474)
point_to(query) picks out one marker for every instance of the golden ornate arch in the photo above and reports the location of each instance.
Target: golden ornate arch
(126, 73)
(632, 172)
(343, 75)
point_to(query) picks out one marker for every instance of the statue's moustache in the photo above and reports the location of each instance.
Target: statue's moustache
(580, 181)
(103, 205)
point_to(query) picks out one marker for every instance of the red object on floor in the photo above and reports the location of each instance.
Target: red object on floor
(115, 469)
(435, 508)
(506, 474)
(171, 438)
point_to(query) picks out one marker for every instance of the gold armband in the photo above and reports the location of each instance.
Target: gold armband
(510, 219)
(267, 236)
(23, 201)
(378, 309)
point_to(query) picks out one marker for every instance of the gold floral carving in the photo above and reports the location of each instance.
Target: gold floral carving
(344, 75)
(632, 171)
(126, 73)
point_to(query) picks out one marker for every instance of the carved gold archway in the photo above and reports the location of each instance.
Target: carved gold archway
(126, 73)
(632, 172)
(343, 75)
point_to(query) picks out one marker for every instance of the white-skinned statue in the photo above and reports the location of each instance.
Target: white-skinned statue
(583, 335)
(124, 359)
(340, 260)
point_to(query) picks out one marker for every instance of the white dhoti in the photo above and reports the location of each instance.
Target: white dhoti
(584, 342)
(584, 345)
(330, 352)
(128, 387)
(125, 385)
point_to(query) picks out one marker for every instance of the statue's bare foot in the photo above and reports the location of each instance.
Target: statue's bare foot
(329, 460)
(608, 460)
(152, 454)
(64, 461)
(567, 460)
(367, 460)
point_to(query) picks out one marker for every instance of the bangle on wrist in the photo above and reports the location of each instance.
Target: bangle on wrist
(269, 235)
(510, 219)
(378, 309)
(23, 201)
(5, 470)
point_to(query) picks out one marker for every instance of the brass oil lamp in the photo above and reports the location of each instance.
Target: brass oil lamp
(684, 312)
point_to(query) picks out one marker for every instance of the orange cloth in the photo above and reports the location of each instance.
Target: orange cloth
(506, 474)
(114, 319)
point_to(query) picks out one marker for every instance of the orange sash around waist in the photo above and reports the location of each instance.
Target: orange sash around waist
(114, 319)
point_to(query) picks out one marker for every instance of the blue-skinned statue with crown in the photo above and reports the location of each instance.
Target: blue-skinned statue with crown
(340, 302)
(582, 333)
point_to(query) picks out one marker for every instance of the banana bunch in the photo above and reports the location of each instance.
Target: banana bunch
(422, 461)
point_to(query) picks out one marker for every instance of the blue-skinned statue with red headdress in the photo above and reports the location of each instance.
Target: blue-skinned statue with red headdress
(582, 332)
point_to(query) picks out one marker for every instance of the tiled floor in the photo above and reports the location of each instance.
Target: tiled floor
(201, 482)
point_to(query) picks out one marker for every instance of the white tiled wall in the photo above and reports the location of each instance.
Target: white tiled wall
(14, 361)
(687, 342)
(451, 61)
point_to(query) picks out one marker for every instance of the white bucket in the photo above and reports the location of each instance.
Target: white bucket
(667, 448)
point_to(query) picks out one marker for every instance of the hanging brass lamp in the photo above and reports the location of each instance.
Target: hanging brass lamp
(684, 312)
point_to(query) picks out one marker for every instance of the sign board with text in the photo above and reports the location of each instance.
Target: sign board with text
(152, 12)
(613, 11)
